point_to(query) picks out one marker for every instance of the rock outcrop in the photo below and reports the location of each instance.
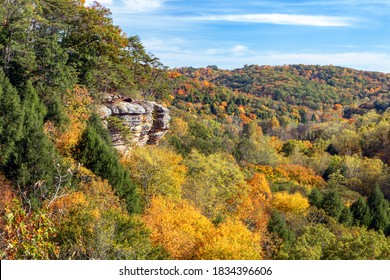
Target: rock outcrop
(134, 122)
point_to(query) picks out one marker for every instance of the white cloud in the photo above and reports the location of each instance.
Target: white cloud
(142, 5)
(103, 2)
(157, 45)
(130, 6)
(286, 19)
(239, 49)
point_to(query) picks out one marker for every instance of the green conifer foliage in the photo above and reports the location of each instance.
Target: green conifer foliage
(332, 204)
(34, 156)
(95, 151)
(346, 217)
(360, 212)
(379, 209)
(278, 225)
(33, 164)
(16, 55)
(10, 118)
(315, 198)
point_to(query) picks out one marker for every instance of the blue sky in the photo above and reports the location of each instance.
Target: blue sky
(230, 34)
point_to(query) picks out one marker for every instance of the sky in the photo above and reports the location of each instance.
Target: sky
(230, 34)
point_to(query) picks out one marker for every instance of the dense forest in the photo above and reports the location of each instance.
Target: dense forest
(261, 162)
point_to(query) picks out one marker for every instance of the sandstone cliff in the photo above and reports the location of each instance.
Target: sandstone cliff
(134, 122)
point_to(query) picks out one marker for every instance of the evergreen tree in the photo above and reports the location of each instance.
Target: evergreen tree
(360, 212)
(346, 217)
(11, 118)
(95, 151)
(332, 204)
(315, 198)
(16, 53)
(379, 207)
(277, 224)
(34, 159)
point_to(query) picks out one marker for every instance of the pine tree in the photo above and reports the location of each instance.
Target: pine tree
(16, 53)
(360, 212)
(95, 151)
(346, 217)
(34, 160)
(379, 207)
(332, 204)
(315, 198)
(11, 118)
(277, 224)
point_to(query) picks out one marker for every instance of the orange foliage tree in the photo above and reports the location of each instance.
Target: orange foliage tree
(254, 207)
(303, 175)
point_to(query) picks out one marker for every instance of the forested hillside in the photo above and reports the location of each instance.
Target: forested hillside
(287, 162)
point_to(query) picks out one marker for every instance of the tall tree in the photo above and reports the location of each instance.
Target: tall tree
(96, 152)
(17, 57)
(361, 212)
(34, 163)
(332, 204)
(214, 183)
(380, 210)
(277, 224)
(11, 118)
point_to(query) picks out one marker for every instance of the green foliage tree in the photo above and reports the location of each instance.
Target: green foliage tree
(379, 210)
(316, 198)
(321, 242)
(277, 224)
(214, 183)
(346, 217)
(314, 244)
(347, 142)
(332, 204)
(11, 118)
(291, 147)
(254, 147)
(17, 55)
(96, 152)
(34, 163)
(361, 212)
(361, 244)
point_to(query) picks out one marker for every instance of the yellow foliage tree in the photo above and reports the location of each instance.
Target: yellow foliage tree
(290, 203)
(157, 170)
(179, 127)
(186, 234)
(78, 103)
(214, 183)
(179, 227)
(24, 235)
(233, 241)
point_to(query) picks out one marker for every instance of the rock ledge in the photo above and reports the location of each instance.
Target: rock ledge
(142, 122)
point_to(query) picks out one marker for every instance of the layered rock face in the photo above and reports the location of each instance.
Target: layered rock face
(134, 122)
